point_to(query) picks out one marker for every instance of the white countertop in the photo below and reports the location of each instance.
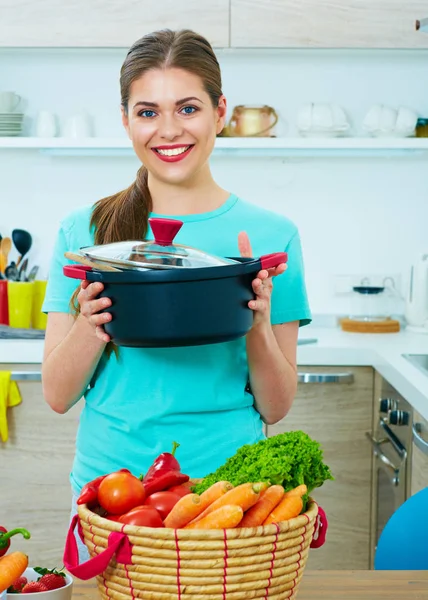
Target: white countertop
(334, 347)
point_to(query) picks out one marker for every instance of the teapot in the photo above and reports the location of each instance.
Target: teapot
(251, 121)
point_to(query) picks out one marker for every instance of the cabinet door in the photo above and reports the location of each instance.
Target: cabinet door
(419, 454)
(35, 464)
(338, 415)
(335, 24)
(107, 23)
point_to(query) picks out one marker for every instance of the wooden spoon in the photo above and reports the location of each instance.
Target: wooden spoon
(89, 263)
(6, 246)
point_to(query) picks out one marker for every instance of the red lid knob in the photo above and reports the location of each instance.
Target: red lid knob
(165, 230)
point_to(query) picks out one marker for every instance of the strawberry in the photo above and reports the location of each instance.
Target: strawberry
(34, 586)
(17, 585)
(53, 581)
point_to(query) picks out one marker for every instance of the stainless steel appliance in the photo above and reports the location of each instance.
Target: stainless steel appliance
(391, 442)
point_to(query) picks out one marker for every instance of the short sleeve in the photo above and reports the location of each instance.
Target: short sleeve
(60, 288)
(289, 298)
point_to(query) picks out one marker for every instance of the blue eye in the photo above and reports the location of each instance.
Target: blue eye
(188, 110)
(148, 114)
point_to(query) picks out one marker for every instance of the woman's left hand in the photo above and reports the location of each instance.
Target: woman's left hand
(262, 284)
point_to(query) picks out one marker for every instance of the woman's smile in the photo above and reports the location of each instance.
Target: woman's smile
(173, 153)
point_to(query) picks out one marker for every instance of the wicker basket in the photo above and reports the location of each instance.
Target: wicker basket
(168, 564)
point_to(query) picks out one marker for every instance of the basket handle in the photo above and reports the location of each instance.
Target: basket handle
(321, 527)
(118, 543)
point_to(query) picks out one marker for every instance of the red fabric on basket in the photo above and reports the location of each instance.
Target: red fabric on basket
(321, 527)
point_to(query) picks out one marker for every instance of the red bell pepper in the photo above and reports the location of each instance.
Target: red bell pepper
(164, 473)
(6, 535)
(164, 462)
(89, 492)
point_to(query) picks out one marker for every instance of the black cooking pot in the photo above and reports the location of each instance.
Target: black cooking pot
(167, 307)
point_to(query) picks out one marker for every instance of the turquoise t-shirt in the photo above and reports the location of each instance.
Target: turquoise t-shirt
(140, 402)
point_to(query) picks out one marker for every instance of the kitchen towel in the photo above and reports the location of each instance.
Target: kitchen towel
(9, 397)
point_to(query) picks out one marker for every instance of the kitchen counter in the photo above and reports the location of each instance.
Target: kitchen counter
(334, 347)
(331, 585)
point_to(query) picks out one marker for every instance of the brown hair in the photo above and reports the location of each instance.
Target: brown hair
(124, 215)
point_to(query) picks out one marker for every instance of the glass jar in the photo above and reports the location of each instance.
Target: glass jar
(369, 303)
(422, 128)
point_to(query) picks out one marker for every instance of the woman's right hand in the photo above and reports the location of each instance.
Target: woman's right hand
(90, 307)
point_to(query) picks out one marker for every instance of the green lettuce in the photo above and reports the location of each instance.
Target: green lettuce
(288, 459)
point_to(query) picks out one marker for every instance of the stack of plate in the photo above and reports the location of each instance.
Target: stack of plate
(10, 124)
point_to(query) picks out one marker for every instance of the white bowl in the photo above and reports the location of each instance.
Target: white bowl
(63, 593)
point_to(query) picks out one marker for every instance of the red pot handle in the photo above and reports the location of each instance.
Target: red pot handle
(321, 527)
(76, 271)
(118, 543)
(165, 230)
(268, 261)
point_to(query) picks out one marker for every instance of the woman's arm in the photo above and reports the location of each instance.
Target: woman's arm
(271, 353)
(73, 348)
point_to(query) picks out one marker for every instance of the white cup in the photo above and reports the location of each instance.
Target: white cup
(322, 117)
(9, 101)
(46, 124)
(340, 120)
(78, 126)
(388, 119)
(406, 120)
(372, 119)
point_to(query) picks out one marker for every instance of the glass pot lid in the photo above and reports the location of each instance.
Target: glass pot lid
(160, 253)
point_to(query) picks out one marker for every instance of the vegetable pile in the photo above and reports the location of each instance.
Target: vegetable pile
(289, 459)
(263, 483)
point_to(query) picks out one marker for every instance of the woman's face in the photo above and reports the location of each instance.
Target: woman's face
(172, 124)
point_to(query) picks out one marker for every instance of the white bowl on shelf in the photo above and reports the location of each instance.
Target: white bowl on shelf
(63, 593)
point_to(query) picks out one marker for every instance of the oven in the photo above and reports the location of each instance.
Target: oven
(391, 445)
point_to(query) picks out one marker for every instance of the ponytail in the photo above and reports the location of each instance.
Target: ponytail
(120, 217)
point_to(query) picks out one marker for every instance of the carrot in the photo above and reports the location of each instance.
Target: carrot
(11, 567)
(215, 492)
(287, 509)
(244, 495)
(256, 515)
(225, 517)
(300, 490)
(184, 511)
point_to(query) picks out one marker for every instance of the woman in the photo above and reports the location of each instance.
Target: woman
(140, 400)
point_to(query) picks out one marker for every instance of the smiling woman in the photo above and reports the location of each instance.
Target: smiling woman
(213, 398)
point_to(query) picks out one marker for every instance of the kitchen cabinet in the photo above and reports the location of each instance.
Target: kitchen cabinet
(107, 23)
(335, 24)
(35, 466)
(338, 414)
(419, 474)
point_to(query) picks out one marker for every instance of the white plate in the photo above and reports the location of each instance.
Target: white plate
(317, 133)
(391, 134)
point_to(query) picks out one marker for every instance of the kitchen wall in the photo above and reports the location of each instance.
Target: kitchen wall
(357, 215)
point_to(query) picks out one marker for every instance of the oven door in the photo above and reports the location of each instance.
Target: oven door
(390, 464)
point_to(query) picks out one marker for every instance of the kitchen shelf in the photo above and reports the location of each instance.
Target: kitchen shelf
(261, 147)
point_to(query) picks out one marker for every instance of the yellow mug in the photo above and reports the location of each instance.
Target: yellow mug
(38, 318)
(20, 299)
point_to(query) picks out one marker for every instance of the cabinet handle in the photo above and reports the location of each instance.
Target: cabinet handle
(26, 376)
(418, 439)
(325, 377)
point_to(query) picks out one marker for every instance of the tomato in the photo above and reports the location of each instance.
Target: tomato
(142, 516)
(163, 502)
(112, 517)
(119, 492)
(181, 490)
